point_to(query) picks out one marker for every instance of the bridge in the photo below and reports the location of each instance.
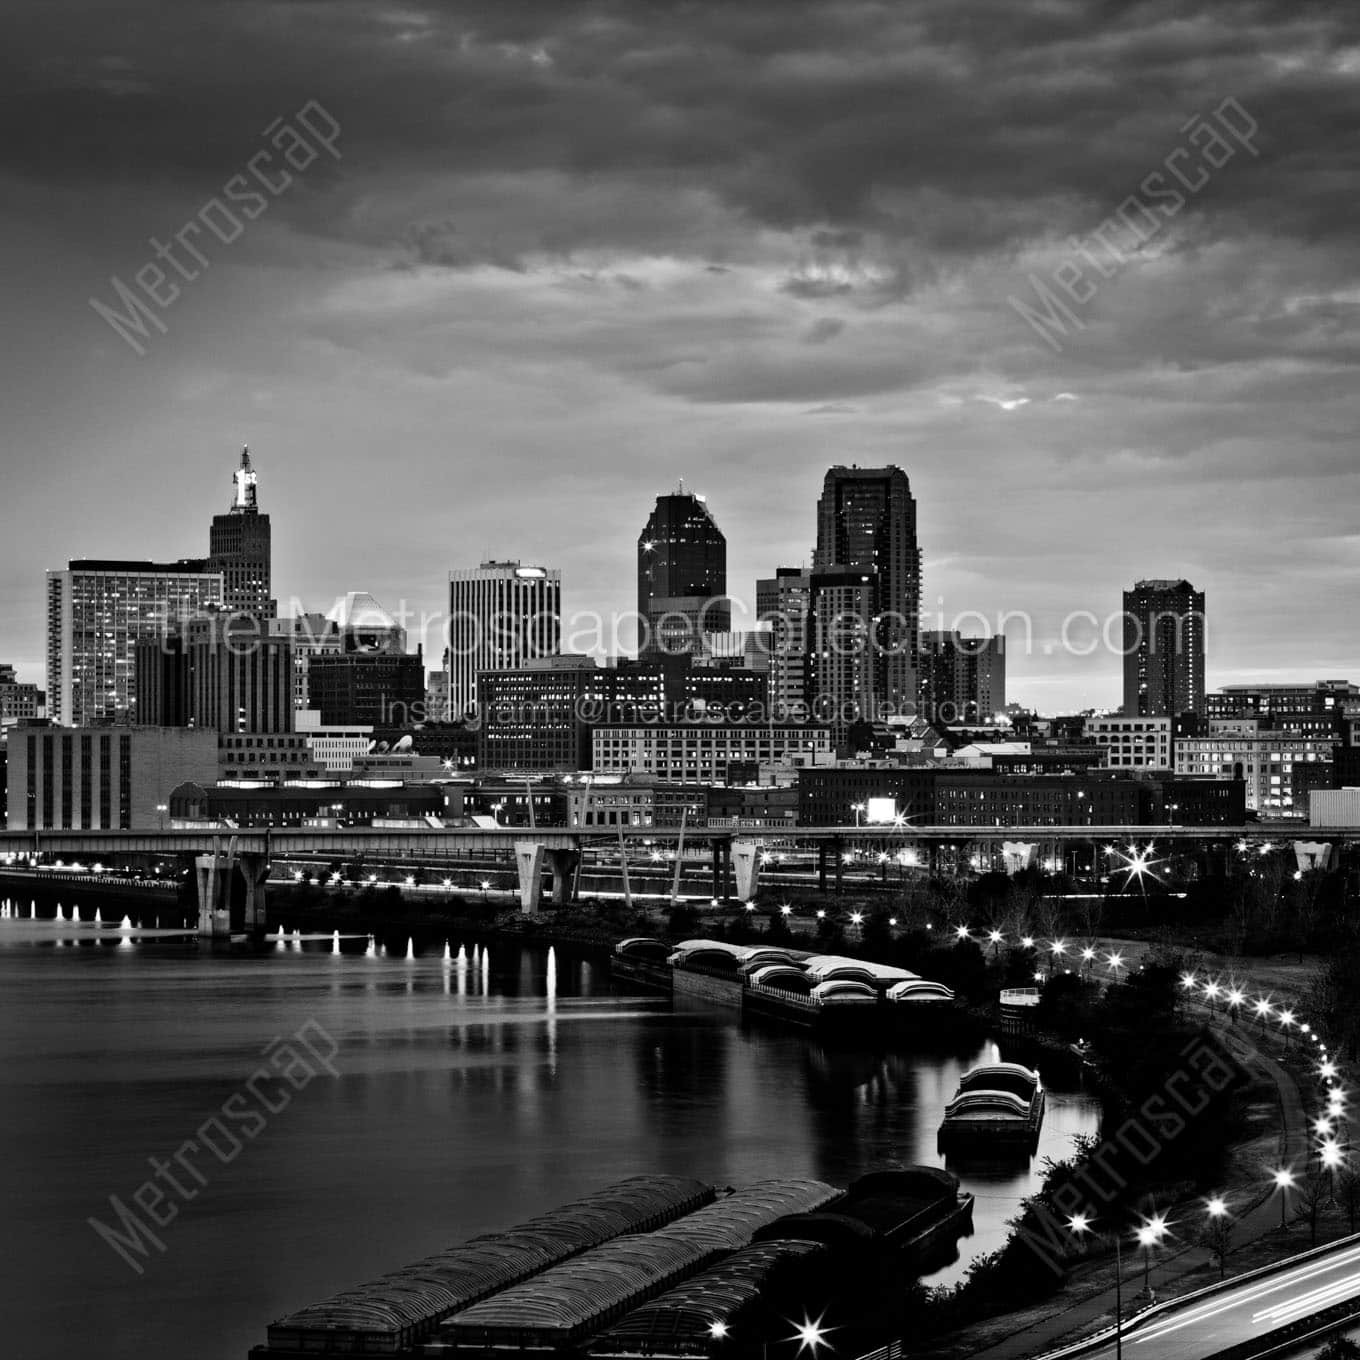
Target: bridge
(220, 853)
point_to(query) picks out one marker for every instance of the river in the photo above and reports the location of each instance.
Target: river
(471, 1092)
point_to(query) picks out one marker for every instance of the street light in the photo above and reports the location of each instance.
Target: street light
(1079, 1224)
(1284, 1180)
(810, 1335)
(1220, 1228)
(1149, 1236)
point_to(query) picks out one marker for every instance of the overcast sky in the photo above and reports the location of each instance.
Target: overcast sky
(570, 252)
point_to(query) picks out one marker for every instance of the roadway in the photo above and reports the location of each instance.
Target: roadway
(1202, 1327)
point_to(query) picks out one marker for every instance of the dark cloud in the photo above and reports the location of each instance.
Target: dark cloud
(627, 230)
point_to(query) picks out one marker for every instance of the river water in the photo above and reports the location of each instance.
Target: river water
(472, 1092)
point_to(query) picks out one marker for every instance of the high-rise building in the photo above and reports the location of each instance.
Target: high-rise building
(97, 612)
(222, 672)
(963, 679)
(501, 615)
(682, 576)
(782, 601)
(844, 672)
(310, 635)
(1163, 649)
(866, 522)
(239, 547)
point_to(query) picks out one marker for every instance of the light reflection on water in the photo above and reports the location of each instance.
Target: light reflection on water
(478, 1086)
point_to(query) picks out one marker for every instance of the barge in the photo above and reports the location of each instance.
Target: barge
(997, 1104)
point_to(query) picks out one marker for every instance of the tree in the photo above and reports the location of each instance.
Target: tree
(1348, 1194)
(1339, 1348)
(1312, 1196)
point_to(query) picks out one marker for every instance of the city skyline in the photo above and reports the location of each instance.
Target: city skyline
(933, 618)
(568, 283)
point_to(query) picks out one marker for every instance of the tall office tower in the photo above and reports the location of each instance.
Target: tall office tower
(866, 521)
(309, 635)
(963, 679)
(501, 614)
(782, 602)
(682, 576)
(97, 612)
(222, 672)
(1163, 649)
(843, 670)
(239, 547)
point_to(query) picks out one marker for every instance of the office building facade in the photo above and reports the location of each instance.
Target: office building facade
(1132, 743)
(366, 689)
(866, 521)
(98, 610)
(702, 752)
(240, 548)
(1164, 627)
(681, 577)
(222, 672)
(962, 679)
(540, 716)
(783, 602)
(501, 615)
(109, 779)
(1268, 762)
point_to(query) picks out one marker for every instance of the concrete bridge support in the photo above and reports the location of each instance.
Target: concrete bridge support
(746, 863)
(254, 870)
(529, 862)
(564, 864)
(213, 876)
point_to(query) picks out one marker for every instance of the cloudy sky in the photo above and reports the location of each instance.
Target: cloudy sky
(572, 251)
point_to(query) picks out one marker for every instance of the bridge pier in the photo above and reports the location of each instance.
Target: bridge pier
(529, 862)
(213, 876)
(746, 862)
(254, 870)
(564, 864)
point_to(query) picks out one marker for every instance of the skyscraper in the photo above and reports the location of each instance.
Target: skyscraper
(500, 615)
(866, 521)
(239, 547)
(782, 601)
(97, 612)
(963, 679)
(682, 576)
(1163, 649)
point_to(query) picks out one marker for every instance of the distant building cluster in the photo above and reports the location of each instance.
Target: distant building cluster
(176, 691)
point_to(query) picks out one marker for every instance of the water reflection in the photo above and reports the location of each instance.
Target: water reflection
(478, 1086)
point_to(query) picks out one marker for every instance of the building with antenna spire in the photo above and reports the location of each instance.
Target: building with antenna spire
(239, 546)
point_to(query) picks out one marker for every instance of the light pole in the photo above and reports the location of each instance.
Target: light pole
(1149, 1236)
(162, 808)
(1080, 1224)
(1283, 1181)
(1220, 1228)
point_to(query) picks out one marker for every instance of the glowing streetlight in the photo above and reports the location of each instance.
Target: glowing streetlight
(821, 914)
(1116, 961)
(786, 911)
(1081, 1224)
(1189, 981)
(961, 932)
(856, 918)
(810, 1335)
(1027, 941)
(1327, 1070)
(1220, 1228)
(1284, 1181)
(1149, 1236)
(718, 1330)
